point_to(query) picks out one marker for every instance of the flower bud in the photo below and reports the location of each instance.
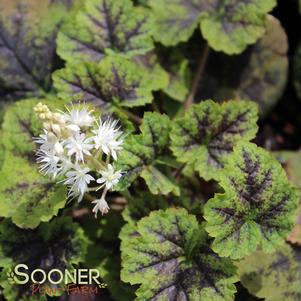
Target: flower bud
(48, 115)
(56, 129)
(58, 148)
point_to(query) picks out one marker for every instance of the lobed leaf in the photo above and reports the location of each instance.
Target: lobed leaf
(157, 75)
(258, 207)
(27, 45)
(177, 19)
(228, 26)
(179, 75)
(114, 81)
(25, 195)
(142, 206)
(207, 133)
(140, 153)
(169, 255)
(233, 25)
(103, 26)
(275, 277)
(59, 244)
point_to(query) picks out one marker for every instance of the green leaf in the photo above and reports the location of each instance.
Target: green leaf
(26, 195)
(169, 255)
(140, 153)
(142, 206)
(103, 26)
(179, 75)
(234, 25)
(275, 277)
(27, 45)
(258, 207)
(115, 80)
(157, 75)
(177, 19)
(297, 71)
(228, 26)
(59, 244)
(207, 133)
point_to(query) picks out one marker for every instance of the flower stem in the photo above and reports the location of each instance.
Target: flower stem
(197, 77)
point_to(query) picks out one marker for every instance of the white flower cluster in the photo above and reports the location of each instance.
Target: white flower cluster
(73, 145)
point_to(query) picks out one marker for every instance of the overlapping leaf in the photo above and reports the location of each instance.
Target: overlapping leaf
(157, 75)
(169, 255)
(274, 277)
(258, 207)
(115, 80)
(59, 244)
(179, 74)
(106, 25)
(27, 45)
(207, 133)
(142, 206)
(177, 19)
(233, 25)
(229, 26)
(142, 153)
(26, 195)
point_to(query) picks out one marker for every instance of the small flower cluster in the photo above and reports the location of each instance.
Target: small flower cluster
(73, 145)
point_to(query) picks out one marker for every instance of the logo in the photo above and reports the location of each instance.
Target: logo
(55, 281)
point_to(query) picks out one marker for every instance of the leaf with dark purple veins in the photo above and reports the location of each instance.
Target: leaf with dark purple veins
(228, 25)
(142, 152)
(106, 25)
(274, 277)
(28, 31)
(207, 133)
(114, 81)
(258, 207)
(169, 254)
(26, 196)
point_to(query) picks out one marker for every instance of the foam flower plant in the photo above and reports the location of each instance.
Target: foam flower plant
(75, 144)
(156, 112)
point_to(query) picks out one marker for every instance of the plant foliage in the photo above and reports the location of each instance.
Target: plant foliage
(157, 141)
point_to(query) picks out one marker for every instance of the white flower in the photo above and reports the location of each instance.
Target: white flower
(107, 137)
(101, 205)
(50, 143)
(49, 163)
(109, 177)
(79, 118)
(65, 165)
(78, 179)
(78, 145)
